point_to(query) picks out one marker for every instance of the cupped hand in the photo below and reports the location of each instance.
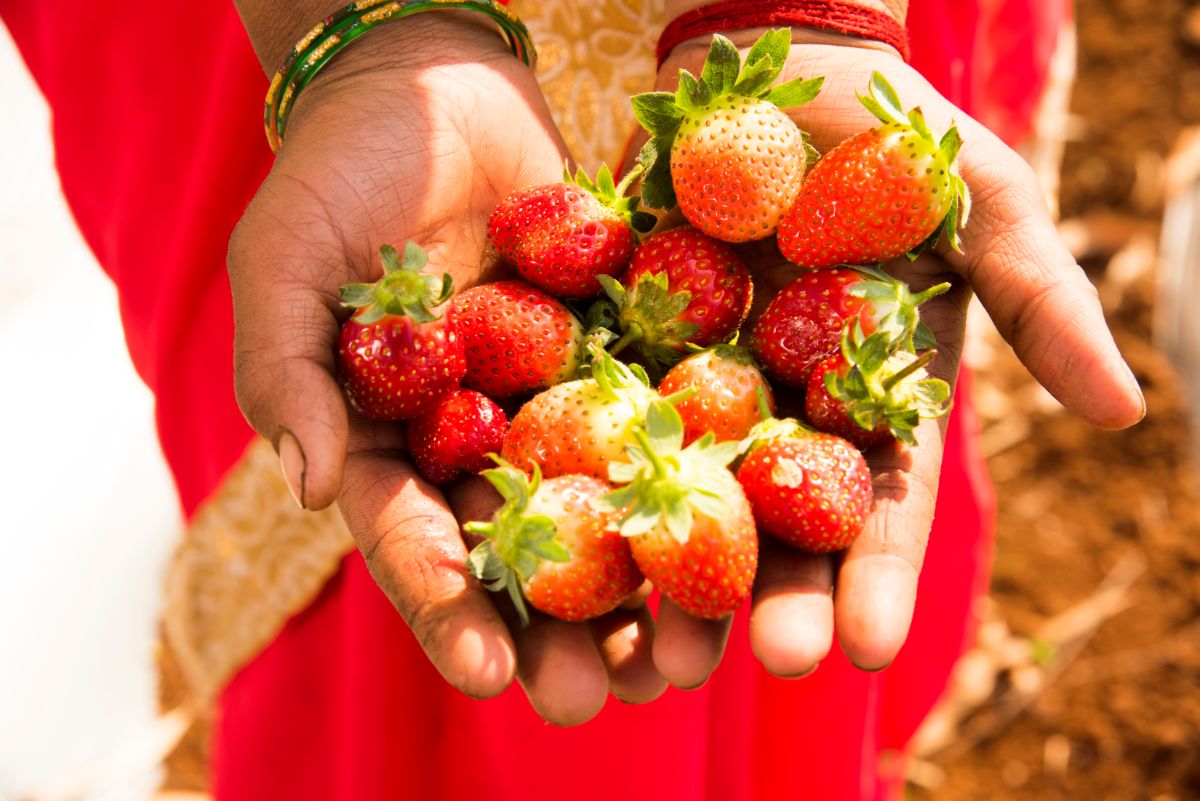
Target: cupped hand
(1039, 299)
(413, 134)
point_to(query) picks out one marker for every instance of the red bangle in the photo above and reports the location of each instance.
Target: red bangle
(832, 15)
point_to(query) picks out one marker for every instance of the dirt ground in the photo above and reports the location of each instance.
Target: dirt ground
(1086, 684)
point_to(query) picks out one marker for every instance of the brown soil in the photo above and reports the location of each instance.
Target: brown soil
(1120, 718)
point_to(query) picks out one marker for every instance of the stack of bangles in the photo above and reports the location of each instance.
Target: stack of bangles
(341, 28)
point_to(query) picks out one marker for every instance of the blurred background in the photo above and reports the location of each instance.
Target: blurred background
(1085, 680)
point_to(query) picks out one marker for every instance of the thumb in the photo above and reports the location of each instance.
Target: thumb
(285, 331)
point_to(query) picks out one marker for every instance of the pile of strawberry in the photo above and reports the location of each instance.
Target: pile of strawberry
(643, 441)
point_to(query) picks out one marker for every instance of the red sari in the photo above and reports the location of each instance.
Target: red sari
(159, 148)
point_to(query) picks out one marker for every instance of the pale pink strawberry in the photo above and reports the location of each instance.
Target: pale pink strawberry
(578, 427)
(721, 145)
(728, 393)
(552, 543)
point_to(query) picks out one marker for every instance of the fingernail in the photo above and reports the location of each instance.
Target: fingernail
(1137, 388)
(291, 461)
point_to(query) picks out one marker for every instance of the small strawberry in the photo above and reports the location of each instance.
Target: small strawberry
(582, 425)
(562, 236)
(803, 324)
(736, 160)
(809, 489)
(518, 339)
(682, 287)
(727, 387)
(689, 523)
(396, 358)
(878, 195)
(870, 396)
(456, 436)
(553, 544)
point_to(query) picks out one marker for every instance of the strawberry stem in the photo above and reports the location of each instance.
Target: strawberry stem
(909, 369)
(631, 335)
(933, 291)
(660, 467)
(628, 178)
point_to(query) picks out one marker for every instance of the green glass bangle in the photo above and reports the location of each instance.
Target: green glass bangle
(342, 27)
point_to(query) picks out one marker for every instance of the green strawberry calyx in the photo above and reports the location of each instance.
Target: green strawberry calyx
(648, 314)
(771, 428)
(882, 101)
(897, 308)
(723, 76)
(614, 196)
(666, 485)
(403, 291)
(882, 385)
(516, 542)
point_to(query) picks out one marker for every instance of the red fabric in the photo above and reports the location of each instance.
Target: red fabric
(160, 147)
(833, 15)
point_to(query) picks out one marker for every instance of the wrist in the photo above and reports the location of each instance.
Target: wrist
(875, 24)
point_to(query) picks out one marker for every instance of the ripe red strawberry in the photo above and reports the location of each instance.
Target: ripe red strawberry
(553, 544)
(682, 287)
(396, 358)
(736, 160)
(689, 523)
(869, 395)
(580, 426)
(727, 387)
(456, 436)
(518, 339)
(880, 194)
(809, 489)
(803, 324)
(561, 236)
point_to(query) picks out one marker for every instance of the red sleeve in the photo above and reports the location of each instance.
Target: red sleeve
(159, 148)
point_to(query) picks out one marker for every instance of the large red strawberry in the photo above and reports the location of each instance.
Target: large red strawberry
(880, 194)
(457, 436)
(518, 339)
(689, 523)
(552, 544)
(809, 489)
(561, 236)
(729, 393)
(582, 425)
(803, 324)
(682, 287)
(721, 145)
(870, 395)
(396, 357)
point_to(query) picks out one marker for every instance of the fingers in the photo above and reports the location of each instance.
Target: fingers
(283, 369)
(687, 649)
(412, 547)
(791, 624)
(877, 582)
(625, 639)
(1039, 298)
(561, 671)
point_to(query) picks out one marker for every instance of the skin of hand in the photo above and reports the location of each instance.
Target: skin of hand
(415, 132)
(1039, 299)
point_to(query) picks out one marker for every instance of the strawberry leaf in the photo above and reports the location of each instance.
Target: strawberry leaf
(917, 120)
(950, 144)
(775, 45)
(722, 65)
(885, 97)
(664, 427)
(655, 156)
(657, 112)
(797, 92)
(756, 78)
(923, 337)
(415, 258)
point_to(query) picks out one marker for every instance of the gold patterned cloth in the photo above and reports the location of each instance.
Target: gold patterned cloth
(251, 559)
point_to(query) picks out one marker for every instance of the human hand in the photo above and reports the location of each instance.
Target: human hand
(413, 134)
(1039, 299)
